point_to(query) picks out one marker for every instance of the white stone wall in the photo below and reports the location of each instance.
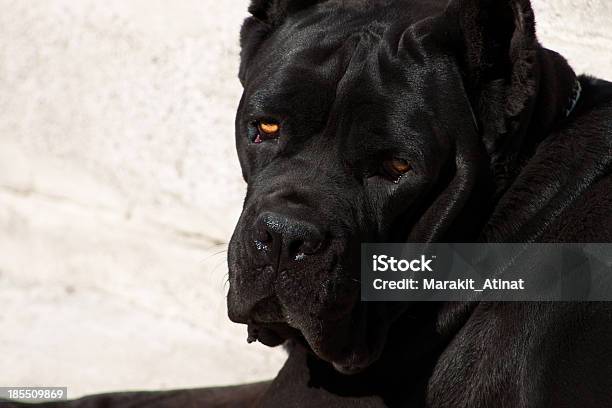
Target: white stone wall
(119, 187)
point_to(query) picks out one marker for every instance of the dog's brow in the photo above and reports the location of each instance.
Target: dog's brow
(360, 45)
(295, 78)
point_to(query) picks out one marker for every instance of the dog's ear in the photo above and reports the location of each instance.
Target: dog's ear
(266, 16)
(274, 12)
(496, 46)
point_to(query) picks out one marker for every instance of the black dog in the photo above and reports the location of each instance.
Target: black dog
(411, 120)
(382, 121)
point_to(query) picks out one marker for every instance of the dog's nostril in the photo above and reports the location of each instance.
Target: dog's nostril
(310, 247)
(299, 249)
(263, 236)
(262, 239)
(280, 239)
(295, 247)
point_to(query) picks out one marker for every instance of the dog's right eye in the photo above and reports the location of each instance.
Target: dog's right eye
(265, 130)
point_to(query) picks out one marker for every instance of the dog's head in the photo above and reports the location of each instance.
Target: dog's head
(364, 121)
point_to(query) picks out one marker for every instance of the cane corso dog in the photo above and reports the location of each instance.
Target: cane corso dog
(410, 121)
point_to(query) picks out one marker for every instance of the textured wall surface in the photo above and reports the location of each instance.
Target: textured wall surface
(119, 187)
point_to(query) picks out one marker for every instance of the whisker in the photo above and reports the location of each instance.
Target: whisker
(223, 251)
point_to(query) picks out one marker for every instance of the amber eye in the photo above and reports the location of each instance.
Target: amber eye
(269, 127)
(266, 130)
(395, 168)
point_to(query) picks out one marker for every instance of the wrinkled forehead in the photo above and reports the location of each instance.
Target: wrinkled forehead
(314, 64)
(305, 58)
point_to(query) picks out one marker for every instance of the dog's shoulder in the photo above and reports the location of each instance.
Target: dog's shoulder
(587, 219)
(586, 144)
(562, 192)
(591, 120)
(595, 98)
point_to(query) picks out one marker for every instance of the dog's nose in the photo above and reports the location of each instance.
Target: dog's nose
(282, 239)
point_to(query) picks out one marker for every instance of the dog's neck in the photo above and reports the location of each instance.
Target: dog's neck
(557, 95)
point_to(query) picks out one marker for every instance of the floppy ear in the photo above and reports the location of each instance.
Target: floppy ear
(267, 15)
(496, 46)
(274, 12)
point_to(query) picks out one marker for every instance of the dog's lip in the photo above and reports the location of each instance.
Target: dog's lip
(271, 334)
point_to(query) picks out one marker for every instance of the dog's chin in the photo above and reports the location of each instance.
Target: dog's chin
(349, 347)
(340, 343)
(350, 360)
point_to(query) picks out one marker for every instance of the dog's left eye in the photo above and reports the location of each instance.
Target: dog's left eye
(395, 168)
(266, 130)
